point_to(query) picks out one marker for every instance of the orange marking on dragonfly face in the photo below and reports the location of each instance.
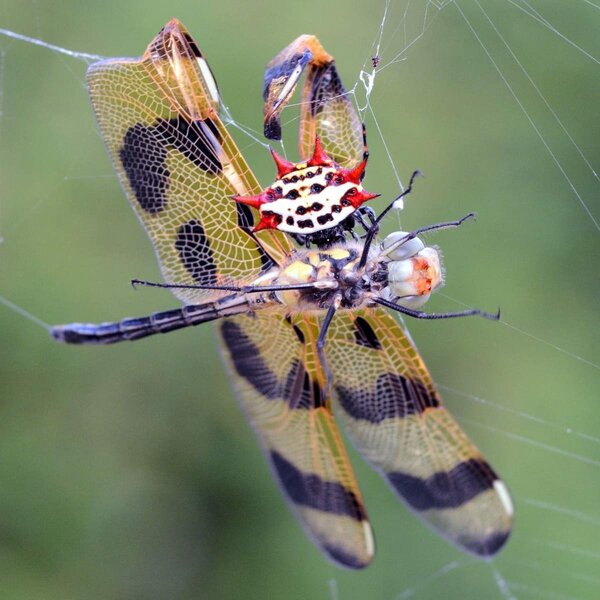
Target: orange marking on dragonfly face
(422, 277)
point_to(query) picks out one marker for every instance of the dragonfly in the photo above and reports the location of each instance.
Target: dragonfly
(307, 328)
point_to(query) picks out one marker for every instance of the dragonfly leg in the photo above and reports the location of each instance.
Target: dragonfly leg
(242, 289)
(372, 232)
(419, 314)
(321, 342)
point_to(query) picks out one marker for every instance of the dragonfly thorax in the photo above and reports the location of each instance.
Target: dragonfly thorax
(336, 273)
(402, 268)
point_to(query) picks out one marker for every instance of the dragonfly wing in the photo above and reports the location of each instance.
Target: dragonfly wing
(394, 416)
(272, 359)
(326, 109)
(178, 165)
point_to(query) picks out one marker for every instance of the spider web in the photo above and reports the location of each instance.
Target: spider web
(496, 102)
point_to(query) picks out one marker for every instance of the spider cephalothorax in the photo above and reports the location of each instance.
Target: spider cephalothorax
(310, 197)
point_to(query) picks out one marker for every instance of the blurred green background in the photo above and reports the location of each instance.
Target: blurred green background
(130, 472)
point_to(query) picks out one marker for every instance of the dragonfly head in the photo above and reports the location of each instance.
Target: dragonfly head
(413, 269)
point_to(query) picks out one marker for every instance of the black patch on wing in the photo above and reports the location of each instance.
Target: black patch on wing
(143, 160)
(195, 253)
(267, 263)
(364, 334)
(248, 362)
(280, 72)
(298, 389)
(196, 140)
(245, 221)
(297, 330)
(144, 153)
(283, 70)
(193, 46)
(394, 396)
(445, 489)
(487, 546)
(312, 491)
(344, 557)
(299, 334)
(143, 157)
(157, 48)
(272, 128)
(326, 85)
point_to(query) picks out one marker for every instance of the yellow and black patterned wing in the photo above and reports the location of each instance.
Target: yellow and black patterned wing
(274, 364)
(326, 109)
(395, 418)
(179, 166)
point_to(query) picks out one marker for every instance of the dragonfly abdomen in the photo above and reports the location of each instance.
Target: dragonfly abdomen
(139, 327)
